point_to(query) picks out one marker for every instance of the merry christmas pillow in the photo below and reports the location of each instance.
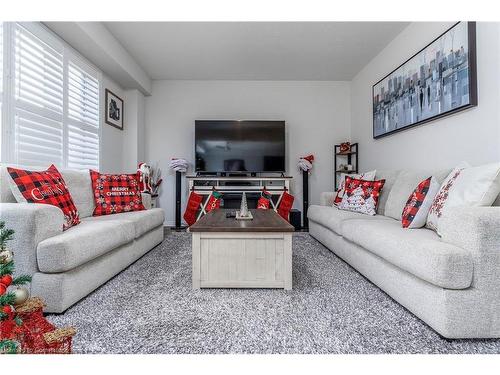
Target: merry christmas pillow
(47, 187)
(116, 193)
(361, 195)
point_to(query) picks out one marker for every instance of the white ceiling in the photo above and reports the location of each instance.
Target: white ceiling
(254, 50)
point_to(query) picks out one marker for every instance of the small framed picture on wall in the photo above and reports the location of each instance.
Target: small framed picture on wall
(114, 110)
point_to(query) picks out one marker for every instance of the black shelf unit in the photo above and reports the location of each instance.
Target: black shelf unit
(350, 157)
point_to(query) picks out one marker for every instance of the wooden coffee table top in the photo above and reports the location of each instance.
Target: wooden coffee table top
(263, 221)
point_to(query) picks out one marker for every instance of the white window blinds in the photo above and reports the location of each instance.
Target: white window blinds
(54, 101)
(38, 88)
(83, 117)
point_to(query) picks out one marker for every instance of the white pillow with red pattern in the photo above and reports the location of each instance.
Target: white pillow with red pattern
(367, 176)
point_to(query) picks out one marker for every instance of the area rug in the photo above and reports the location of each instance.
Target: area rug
(151, 308)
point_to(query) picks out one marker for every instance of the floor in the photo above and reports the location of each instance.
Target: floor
(151, 308)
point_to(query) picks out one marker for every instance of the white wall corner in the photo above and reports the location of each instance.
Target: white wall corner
(94, 41)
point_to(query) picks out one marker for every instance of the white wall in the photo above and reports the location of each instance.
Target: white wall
(133, 133)
(473, 135)
(112, 139)
(317, 116)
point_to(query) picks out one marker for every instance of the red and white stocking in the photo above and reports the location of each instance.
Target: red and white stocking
(285, 205)
(214, 201)
(192, 206)
(264, 201)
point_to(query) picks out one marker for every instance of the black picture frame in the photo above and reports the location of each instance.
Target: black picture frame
(472, 81)
(114, 109)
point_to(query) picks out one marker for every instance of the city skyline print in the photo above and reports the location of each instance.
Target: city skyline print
(437, 81)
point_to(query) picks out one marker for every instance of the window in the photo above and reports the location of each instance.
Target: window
(53, 95)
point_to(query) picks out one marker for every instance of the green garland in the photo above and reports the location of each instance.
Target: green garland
(8, 347)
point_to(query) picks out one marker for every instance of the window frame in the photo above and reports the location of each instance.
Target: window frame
(69, 56)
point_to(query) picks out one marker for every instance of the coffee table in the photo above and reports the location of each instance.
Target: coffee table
(230, 253)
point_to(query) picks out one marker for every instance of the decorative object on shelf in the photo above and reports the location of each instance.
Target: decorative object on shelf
(144, 172)
(345, 160)
(305, 164)
(345, 147)
(192, 206)
(285, 205)
(264, 200)
(180, 166)
(244, 213)
(437, 81)
(114, 110)
(22, 325)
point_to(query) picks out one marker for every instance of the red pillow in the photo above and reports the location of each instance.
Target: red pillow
(116, 193)
(46, 187)
(361, 195)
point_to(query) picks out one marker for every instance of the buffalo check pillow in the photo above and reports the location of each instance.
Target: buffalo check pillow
(419, 203)
(46, 187)
(116, 193)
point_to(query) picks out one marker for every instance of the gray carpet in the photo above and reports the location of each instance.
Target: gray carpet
(151, 308)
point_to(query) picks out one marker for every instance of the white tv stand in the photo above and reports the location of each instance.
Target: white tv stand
(204, 185)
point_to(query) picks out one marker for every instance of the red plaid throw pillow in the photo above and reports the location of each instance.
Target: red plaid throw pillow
(46, 187)
(361, 195)
(419, 203)
(115, 193)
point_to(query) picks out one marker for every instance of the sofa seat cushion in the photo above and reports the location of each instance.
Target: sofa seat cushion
(332, 218)
(418, 251)
(82, 243)
(143, 221)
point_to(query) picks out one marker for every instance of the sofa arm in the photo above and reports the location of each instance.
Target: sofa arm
(327, 198)
(476, 229)
(32, 224)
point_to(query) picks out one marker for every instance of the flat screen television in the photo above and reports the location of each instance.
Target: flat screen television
(239, 146)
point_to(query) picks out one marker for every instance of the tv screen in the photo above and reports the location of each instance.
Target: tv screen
(240, 146)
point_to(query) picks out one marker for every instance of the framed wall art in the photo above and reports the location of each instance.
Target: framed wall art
(114, 110)
(437, 81)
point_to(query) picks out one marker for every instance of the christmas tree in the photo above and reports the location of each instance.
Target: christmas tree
(10, 322)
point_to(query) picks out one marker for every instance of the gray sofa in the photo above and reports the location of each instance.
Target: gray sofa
(451, 282)
(66, 266)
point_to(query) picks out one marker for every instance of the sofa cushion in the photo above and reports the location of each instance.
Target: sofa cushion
(332, 217)
(82, 243)
(143, 221)
(404, 185)
(80, 186)
(390, 177)
(417, 251)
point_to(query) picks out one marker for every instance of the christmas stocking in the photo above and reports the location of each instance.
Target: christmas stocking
(285, 205)
(214, 201)
(192, 206)
(264, 200)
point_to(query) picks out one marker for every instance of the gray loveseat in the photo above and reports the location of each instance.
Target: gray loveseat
(451, 282)
(66, 266)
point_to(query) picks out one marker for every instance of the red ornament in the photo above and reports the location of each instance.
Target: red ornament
(3, 289)
(7, 309)
(6, 280)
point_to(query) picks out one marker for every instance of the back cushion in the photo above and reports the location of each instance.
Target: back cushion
(80, 187)
(78, 182)
(404, 185)
(390, 177)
